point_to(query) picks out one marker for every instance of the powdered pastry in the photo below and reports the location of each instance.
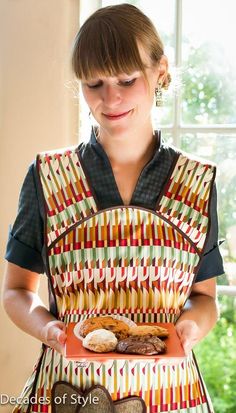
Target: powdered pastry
(100, 341)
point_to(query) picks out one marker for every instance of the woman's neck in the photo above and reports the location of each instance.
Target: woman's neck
(128, 149)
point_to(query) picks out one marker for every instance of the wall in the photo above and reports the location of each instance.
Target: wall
(37, 112)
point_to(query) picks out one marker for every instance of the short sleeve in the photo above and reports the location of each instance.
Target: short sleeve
(211, 264)
(25, 243)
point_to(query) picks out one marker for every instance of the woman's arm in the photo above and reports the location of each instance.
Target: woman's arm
(25, 308)
(199, 315)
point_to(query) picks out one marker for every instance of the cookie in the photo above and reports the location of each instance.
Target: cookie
(146, 345)
(118, 327)
(148, 330)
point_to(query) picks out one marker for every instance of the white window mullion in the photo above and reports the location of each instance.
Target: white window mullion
(208, 129)
(178, 63)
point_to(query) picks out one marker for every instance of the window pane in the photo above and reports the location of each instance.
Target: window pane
(220, 149)
(162, 15)
(209, 62)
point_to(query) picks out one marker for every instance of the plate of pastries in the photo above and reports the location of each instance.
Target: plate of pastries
(117, 336)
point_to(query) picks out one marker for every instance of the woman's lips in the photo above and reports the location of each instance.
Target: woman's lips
(114, 116)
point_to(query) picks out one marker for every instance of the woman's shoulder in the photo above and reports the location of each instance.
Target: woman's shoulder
(182, 155)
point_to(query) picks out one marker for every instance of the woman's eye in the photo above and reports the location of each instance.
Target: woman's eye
(94, 85)
(127, 82)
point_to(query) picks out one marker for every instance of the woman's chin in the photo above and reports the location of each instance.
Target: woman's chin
(118, 130)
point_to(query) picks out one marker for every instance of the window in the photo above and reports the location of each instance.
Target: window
(199, 116)
(199, 112)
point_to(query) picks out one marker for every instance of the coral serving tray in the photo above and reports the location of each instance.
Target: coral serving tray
(74, 349)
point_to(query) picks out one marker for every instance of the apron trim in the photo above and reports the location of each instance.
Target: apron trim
(51, 293)
(38, 368)
(159, 215)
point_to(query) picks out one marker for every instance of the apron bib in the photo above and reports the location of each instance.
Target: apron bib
(124, 260)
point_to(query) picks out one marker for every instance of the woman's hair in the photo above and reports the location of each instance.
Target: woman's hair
(108, 42)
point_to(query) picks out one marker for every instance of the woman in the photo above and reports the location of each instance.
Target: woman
(122, 224)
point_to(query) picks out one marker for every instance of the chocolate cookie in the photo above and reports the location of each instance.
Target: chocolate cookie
(146, 345)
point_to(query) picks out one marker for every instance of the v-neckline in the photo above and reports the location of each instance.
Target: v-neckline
(112, 175)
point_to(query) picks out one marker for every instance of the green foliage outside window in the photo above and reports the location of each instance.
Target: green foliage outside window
(207, 97)
(216, 356)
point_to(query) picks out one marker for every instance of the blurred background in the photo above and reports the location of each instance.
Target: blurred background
(41, 108)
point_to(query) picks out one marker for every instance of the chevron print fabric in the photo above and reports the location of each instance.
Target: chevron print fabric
(186, 200)
(68, 197)
(123, 260)
(127, 259)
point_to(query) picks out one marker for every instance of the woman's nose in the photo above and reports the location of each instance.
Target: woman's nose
(111, 95)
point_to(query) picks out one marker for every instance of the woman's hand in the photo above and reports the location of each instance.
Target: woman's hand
(189, 334)
(198, 315)
(54, 335)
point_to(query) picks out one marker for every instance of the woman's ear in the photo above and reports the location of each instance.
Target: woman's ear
(163, 71)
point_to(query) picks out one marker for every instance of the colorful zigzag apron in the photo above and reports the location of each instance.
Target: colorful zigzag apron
(123, 260)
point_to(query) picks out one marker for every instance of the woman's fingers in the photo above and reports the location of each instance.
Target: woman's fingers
(189, 334)
(61, 337)
(55, 335)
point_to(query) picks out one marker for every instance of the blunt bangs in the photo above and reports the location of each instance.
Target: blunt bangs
(105, 48)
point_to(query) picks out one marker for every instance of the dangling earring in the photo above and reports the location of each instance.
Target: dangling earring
(167, 81)
(158, 95)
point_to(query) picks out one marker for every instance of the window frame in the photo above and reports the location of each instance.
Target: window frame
(177, 128)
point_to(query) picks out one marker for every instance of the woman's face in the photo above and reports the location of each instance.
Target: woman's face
(123, 102)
